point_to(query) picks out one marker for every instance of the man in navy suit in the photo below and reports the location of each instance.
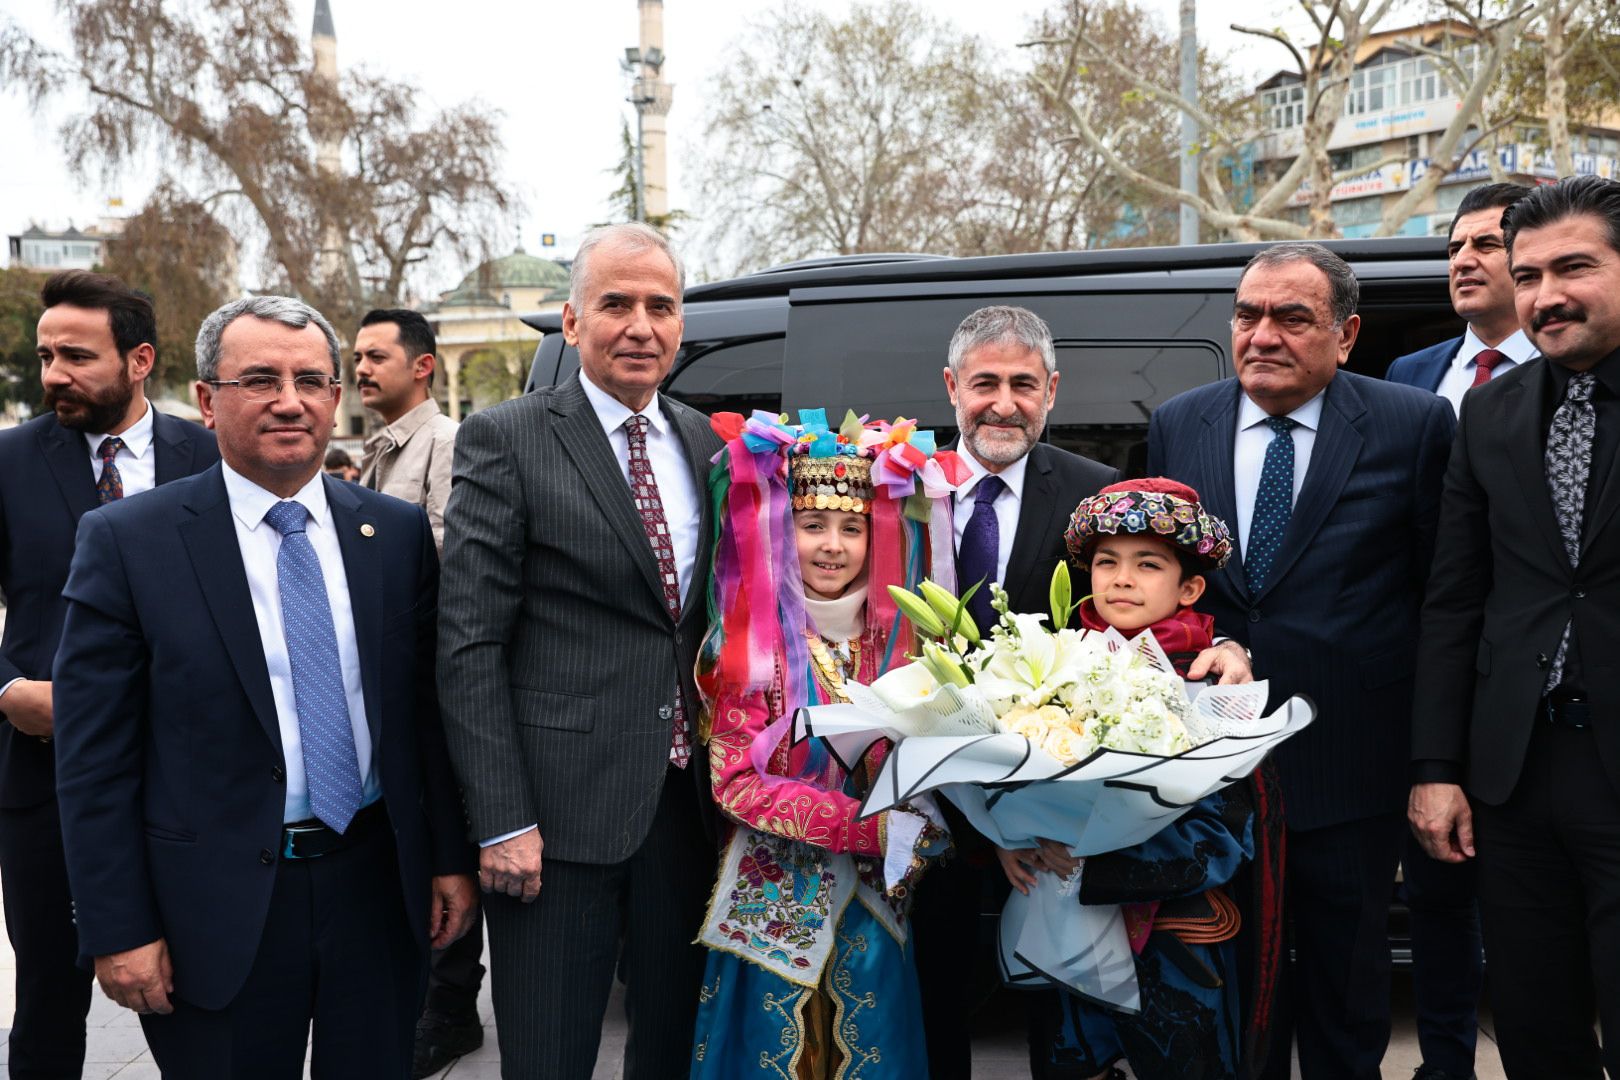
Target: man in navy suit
(261, 827)
(1332, 481)
(1448, 966)
(1482, 296)
(98, 440)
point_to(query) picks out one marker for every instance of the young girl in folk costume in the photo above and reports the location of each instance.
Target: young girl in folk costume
(1201, 899)
(810, 975)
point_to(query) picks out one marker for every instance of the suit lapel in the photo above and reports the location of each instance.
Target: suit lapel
(69, 461)
(171, 450)
(1338, 445)
(1037, 509)
(1520, 418)
(580, 432)
(210, 540)
(362, 567)
(1217, 488)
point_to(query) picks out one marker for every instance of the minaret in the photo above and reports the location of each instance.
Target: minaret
(328, 148)
(656, 92)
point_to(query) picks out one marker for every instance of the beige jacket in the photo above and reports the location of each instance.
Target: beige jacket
(410, 459)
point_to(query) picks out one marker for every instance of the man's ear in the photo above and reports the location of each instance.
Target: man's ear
(950, 385)
(423, 368)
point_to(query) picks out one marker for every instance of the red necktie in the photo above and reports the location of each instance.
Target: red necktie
(1484, 363)
(644, 490)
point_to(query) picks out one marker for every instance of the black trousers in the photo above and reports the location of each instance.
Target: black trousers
(1335, 995)
(53, 992)
(336, 952)
(944, 921)
(1448, 964)
(1549, 900)
(456, 972)
(552, 961)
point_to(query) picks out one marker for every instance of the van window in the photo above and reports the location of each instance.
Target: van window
(733, 377)
(1109, 389)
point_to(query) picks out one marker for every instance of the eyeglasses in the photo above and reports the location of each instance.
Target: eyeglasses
(268, 387)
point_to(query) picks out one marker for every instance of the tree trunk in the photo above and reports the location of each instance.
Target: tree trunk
(1555, 55)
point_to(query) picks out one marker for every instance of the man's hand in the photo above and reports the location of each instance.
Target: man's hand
(512, 866)
(1442, 821)
(1228, 662)
(454, 905)
(141, 979)
(28, 706)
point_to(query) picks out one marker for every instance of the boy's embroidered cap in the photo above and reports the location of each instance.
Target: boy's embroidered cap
(1153, 506)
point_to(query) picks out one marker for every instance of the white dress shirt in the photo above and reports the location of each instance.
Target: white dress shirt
(1459, 376)
(1249, 454)
(677, 490)
(136, 460)
(1008, 504)
(260, 543)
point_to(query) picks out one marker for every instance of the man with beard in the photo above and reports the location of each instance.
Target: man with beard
(1515, 747)
(1009, 518)
(98, 441)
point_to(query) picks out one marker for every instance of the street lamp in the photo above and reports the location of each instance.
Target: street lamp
(639, 65)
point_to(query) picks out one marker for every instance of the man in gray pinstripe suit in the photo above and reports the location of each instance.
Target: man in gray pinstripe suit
(576, 559)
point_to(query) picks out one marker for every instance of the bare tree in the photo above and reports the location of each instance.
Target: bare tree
(1567, 70)
(229, 96)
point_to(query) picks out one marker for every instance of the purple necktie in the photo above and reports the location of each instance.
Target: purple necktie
(980, 553)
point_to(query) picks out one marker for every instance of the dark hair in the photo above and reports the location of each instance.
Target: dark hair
(1485, 198)
(338, 458)
(415, 334)
(1571, 196)
(128, 310)
(1344, 291)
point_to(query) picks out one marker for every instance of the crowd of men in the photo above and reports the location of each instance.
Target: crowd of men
(262, 750)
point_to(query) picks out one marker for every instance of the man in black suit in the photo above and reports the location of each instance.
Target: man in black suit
(1009, 519)
(577, 554)
(1516, 748)
(1331, 481)
(1448, 966)
(99, 440)
(261, 826)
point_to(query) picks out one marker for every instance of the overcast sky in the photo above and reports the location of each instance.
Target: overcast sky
(551, 68)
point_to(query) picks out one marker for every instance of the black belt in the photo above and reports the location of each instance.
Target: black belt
(312, 838)
(1566, 712)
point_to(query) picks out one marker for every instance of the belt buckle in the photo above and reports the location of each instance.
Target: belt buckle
(289, 841)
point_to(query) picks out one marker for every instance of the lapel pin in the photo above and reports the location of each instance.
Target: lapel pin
(367, 530)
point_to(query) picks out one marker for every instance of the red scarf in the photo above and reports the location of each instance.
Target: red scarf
(1182, 636)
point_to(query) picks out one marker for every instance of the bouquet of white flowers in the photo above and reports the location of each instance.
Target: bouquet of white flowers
(1086, 738)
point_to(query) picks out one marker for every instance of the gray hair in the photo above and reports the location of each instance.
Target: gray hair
(1002, 325)
(635, 235)
(1344, 291)
(282, 309)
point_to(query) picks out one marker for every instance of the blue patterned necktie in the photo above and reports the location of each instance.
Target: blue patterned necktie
(980, 552)
(330, 762)
(1273, 504)
(110, 487)
(1569, 465)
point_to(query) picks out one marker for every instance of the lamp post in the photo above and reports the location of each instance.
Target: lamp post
(643, 69)
(1189, 124)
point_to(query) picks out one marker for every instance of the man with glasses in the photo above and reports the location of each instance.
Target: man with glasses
(261, 827)
(1333, 482)
(98, 440)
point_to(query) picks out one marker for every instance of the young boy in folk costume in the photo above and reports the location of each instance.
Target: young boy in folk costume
(810, 975)
(1189, 891)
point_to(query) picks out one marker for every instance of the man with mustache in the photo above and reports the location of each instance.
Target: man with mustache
(98, 440)
(1448, 967)
(1515, 746)
(262, 830)
(1009, 518)
(1333, 481)
(410, 458)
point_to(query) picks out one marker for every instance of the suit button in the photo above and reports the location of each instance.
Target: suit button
(1541, 660)
(665, 712)
(677, 637)
(1254, 615)
(266, 856)
(1580, 594)
(277, 773)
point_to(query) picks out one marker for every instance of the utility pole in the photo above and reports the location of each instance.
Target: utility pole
(1189, 125)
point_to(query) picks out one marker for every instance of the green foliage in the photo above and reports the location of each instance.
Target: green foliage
(20, 310)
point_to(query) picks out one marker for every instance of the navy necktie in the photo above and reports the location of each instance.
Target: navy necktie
(1273, 503)
(324, 727)
(980, 552)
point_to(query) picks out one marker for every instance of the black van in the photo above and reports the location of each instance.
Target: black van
(1132, 327)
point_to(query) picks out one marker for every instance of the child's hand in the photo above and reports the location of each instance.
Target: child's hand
(1056, 858)
(1020, 866)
